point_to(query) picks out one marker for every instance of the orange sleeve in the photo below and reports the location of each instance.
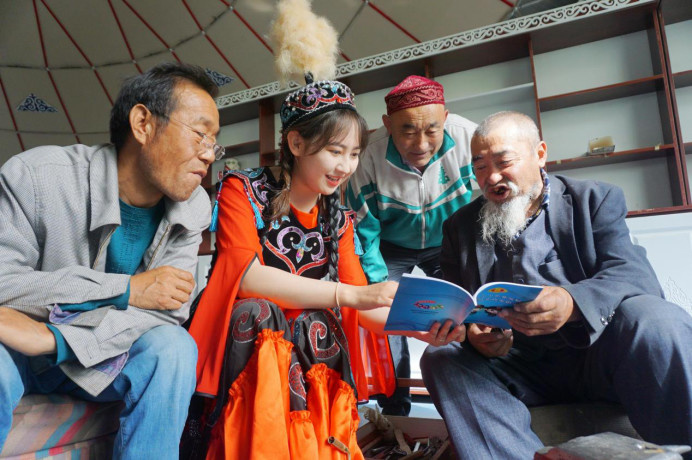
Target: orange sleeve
(371, 359)
(237, 229)
(237, 245)
(350, 270)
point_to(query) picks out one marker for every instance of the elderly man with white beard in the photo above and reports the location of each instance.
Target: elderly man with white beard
(600, 328)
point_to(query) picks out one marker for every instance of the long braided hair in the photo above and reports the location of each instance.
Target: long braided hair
(318, 131)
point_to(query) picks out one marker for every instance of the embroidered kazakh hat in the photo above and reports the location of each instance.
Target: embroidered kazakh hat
(313, 99)
(414, 91)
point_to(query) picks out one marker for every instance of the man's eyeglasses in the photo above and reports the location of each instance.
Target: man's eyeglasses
(205, 141)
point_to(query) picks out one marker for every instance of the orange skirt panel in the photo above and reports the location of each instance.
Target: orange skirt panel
(257, 422)
(332, 405)
(301, 436)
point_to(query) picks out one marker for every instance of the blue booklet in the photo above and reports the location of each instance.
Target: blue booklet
(420, 301)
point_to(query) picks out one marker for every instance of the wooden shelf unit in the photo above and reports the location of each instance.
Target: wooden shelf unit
(242, 149)
(683, 79)
(676, 15)
(610, 158)
(659, 211)
(495, 97)
(205, 248)
(602, 93)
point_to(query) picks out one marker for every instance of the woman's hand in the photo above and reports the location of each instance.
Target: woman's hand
(367, 297)
(440, 335)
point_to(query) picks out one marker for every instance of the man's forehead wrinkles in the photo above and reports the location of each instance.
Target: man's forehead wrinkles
(422, 125)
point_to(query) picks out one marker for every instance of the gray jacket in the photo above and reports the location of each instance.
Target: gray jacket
(586, 220)
(58, 209)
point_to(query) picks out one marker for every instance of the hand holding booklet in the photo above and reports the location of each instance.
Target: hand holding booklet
(420, 301)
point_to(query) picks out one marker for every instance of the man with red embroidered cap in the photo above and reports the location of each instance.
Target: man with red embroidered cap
(415, 172)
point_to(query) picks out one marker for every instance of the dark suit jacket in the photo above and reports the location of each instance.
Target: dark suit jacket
(587, 224)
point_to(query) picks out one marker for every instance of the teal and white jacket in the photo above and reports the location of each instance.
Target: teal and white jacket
(400, 205)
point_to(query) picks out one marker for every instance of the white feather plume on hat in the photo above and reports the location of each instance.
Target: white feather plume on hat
(304, 42)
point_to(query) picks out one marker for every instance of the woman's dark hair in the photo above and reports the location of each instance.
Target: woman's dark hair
(318, 132)
(154, 89)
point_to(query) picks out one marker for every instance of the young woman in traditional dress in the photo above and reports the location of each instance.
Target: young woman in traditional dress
(278, 325)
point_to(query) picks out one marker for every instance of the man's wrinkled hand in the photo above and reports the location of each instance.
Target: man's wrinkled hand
(163, 288)
(489, 341)
(545, 314)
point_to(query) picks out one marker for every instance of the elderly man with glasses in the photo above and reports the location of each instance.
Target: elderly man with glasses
(97, 249)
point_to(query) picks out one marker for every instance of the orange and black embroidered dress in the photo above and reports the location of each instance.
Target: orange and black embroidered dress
(288, 379)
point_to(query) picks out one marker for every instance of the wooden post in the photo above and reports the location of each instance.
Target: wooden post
(267, 143)
(428, 69)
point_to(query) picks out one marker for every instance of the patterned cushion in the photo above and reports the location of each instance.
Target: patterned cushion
(59, 426)
(94, 449)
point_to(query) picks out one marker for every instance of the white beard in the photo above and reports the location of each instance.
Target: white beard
(501, 222)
